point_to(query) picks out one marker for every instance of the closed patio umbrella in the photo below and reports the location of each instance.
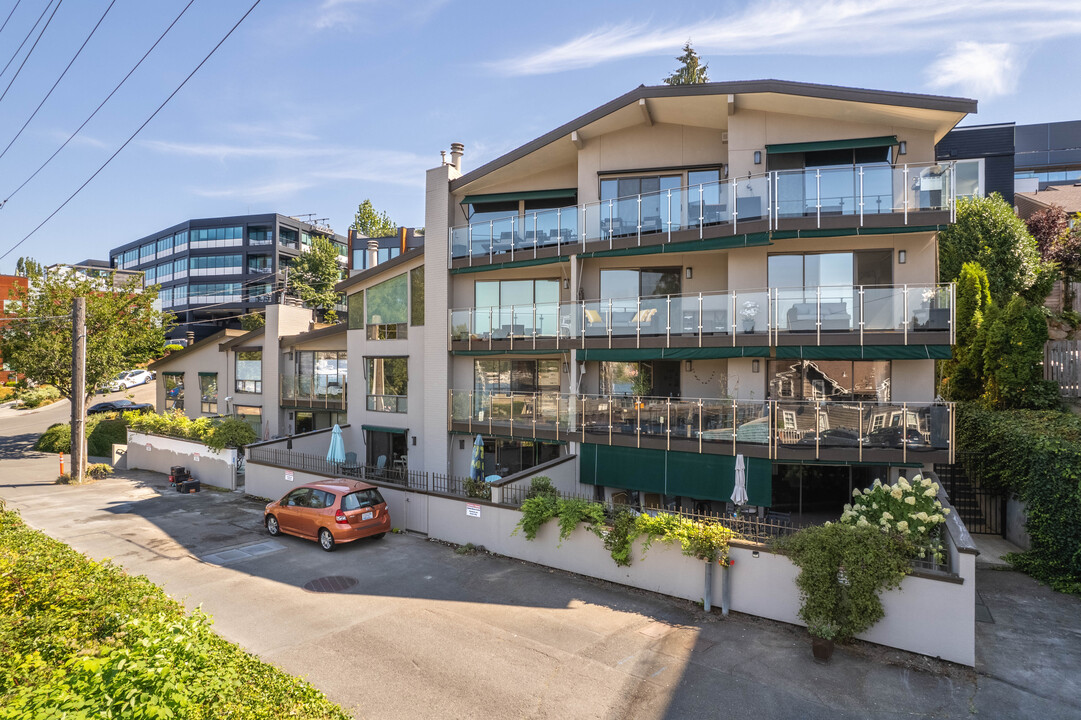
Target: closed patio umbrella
(476, 469)
(739, 490)
(336, 453)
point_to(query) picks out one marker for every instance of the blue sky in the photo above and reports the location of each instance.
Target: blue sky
(314, 105)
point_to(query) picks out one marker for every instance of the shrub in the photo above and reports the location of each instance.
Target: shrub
(478, 489)
(843, 570)
(37, 397)
(102, 432)
(911, 510)
(84, 639)
(173, 347)
(541, 485)
(99, 471)
(6, 393)
(56, 439)
(1036, 456)
(230, 432)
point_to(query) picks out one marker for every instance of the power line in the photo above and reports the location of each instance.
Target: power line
(78, 52)
(31, 51)
(19, 49)
(99, 107)
(13, 9)
(137, 131)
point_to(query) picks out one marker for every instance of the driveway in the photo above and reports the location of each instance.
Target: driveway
(412, 629)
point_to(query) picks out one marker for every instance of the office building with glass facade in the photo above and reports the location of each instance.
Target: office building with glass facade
(212, 270)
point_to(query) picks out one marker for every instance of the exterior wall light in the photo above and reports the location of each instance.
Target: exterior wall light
(902, 256)
(902, 148)
(757, 157)
(689, 273)
(566, 367)
(461, 444)
(755, 365)
(689, 366)
(566, 283)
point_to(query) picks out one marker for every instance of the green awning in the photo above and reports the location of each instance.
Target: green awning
(866, 352)
(380, 428)
(850, 144)
(569, 193)
(510, 264)
(668, 472)
(481, 353)
(694, 353)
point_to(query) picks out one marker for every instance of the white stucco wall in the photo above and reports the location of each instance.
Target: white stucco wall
(159, 453)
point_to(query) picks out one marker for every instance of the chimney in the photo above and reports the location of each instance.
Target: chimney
(456, 152)
(191, 337)
(373, 252)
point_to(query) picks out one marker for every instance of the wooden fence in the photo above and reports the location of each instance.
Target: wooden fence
(1062, 364)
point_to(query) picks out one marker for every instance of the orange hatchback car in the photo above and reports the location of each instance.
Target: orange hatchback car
(331, 512)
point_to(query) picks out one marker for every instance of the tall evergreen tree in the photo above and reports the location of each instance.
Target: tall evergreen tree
(691, 71)
(369, 222)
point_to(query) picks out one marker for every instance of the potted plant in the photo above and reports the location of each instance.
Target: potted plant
(748, 312)
(822, 631)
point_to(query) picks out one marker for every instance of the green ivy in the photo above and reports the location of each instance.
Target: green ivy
(84, 640)
(1035, 455)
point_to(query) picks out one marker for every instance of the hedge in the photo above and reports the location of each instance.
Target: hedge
(102, 433)
(1035, 455)
(81, 639)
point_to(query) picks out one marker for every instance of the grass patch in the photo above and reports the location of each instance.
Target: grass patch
(81, 639)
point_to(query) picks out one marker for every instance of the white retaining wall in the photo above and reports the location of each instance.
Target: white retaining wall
(159, 453)
(926, 615)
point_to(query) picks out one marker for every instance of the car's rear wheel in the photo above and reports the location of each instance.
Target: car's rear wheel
(326, 540)
(379, 536)
(272, 526)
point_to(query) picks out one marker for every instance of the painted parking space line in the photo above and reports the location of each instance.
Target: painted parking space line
(244, 552)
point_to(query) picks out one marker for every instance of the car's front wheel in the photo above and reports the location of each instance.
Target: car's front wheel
(326, 540)
(146, 380)
(272, 526)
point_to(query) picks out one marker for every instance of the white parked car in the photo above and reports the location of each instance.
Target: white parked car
(131, 378)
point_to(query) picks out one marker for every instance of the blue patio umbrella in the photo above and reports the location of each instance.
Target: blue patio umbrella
(336, 453)
(476, 469)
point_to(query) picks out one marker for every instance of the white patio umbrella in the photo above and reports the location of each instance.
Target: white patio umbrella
(336, 452)
(739, 490)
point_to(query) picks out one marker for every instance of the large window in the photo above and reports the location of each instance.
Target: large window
(180, 268)
(180, 241)
(165, 246)
(834, 380)
(387, 311)
(321, 373)
(217, 237)
(833, 182)
(260, 236)
(514, 300)
(251, 415)
(249, 371)
(416, 296)
(287, 237)
(216, 264)
(146, 252)
(388, 383)
(653, 378)
(208, 392)
(506, 457)
(356, 311)
(624, 214)
(215, 292)
(260, 263)
(174, 390)
(645, 282)
(818, 291)
(516, 376)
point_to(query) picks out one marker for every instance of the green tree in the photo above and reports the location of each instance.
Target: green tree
(988, 232)
(27, 267)
(314, 274)
(962, 377)
(691, 72)
(372, 223)
(253, 321)
(1013, 359)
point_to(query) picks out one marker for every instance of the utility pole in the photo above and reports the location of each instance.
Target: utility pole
(78, 389)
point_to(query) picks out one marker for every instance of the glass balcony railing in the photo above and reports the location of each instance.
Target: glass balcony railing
(855, 431)
(811, 313)
(313, 390)
(388, 403)
(776, 198)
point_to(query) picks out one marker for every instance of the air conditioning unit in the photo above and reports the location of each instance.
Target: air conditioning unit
(724, 137)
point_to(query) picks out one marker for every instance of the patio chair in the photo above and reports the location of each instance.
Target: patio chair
(381, 462)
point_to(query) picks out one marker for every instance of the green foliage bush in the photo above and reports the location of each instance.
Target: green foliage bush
(230, 432)
(37, 397)
(541, 485)
(843, 570)
(102, 432)
(85, 640)
(703, 540)
(99, 470)
(173, 347)
(216, 434)
(1036, 456)
(478, 489)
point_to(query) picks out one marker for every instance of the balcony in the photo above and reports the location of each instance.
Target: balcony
(314, 391)
(388, 403)
(871, 196)
(835, 315)
(868, 432)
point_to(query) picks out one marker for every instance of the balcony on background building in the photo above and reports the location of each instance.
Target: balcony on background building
(834, 315)
(829, 198)
(839, 431)
(314, 391)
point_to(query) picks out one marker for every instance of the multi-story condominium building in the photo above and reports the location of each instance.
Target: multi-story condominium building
(213, 270)
(682, 276)
(286, 378)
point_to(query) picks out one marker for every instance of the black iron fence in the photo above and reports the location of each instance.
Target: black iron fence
(981, 509)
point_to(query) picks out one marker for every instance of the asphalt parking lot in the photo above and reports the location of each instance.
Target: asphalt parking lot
(409, 628)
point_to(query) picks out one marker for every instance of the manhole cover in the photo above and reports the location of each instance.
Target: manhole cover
(331, 583)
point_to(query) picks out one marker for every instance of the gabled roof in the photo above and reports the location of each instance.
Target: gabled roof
(323, 332)
(933, 103)
(205, 342)
(242, 339)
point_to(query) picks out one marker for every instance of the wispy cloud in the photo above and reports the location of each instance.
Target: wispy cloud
(834, 28)
(348, 13)
(982, 70)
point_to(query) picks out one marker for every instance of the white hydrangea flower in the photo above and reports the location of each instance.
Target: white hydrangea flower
(874, 506)
(911, 499)
(936, 518)
(930, 492)
(922, 529)
(921, 515)
(856, 492)
(938, 504)
(877, 483)
(897, 493)
(847, 507)
(903, 484)
(887, 516)
(945, 511)
(902, 526)
(862, 522)
(918, 479)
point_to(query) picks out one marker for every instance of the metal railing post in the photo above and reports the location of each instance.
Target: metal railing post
(861, 196)
(735, 212)
(905, 305)
(904, 175)
(818, 197)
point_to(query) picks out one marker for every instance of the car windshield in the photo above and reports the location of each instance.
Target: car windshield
(123, 403)
(361, 499)
(122, 375)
